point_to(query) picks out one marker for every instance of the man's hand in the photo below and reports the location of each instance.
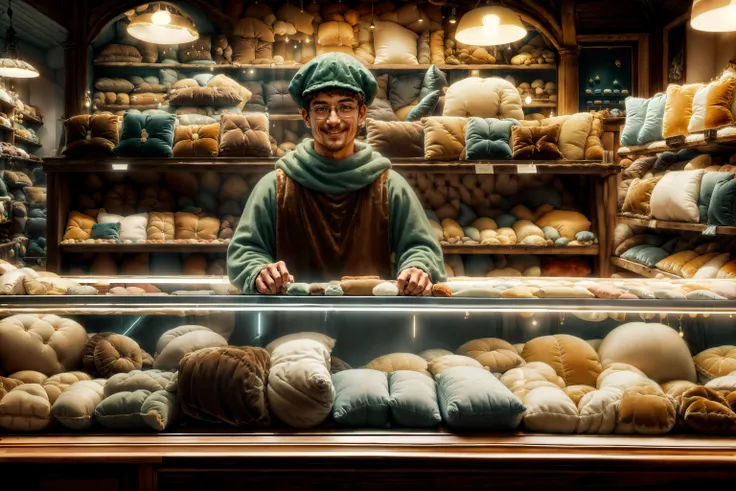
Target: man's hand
(414, 281)
(272, 278)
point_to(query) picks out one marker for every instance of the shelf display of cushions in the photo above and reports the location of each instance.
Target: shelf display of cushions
(118, 53)
(206, 96)
(146, 136)
(712, 105)
(95, 135)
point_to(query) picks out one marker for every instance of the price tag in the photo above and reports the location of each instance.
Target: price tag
(710, 230)
(484, 168)
(120, 167)
(526, 168)
(652, 224)
(711, 134)
(674, 141)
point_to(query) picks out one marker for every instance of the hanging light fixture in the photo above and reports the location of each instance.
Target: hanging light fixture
(490, 26)
(714, 15)
(11, 65)
(162, 23)
(452, 19)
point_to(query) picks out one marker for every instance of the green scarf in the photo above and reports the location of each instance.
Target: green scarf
(324, 175)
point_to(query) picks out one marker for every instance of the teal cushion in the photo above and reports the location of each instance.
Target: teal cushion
(489, 138)
(36, 227)
(138, 409)
(648, 255)
(404, 89)
(471, 397)
(203, 78)
(106, 231)
(425, 107)
(361, 398)
(159, 139)
(505, 220)
(651, 130)
(707, 186)
(38, 176)
(720, 210)
(413, 399)
(434, 79)
(636, 112)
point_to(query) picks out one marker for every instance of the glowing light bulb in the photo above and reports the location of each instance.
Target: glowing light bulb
(286, 39)
(161, 17)
(534, 322)
(491, 22)
(373, 24)
(251, 71)
(528, 99)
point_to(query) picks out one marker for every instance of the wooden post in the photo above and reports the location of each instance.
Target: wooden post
(567, 83)
(75, 77)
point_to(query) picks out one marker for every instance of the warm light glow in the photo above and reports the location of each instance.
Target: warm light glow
(714, 15)
(163, 26)
(16, 72)
(528, 99)
(490, 26)
(161, 18)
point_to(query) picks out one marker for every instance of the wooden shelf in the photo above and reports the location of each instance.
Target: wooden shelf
(665, 225)
(26, 141)
(285, 117)
(125, 107)
(520, 249)
(5, 129)
(539, 104)
(31, 118)
(202, 68)
(725, 140)
(246, 164)
(136, 248)
(6, 105)
(642, 270)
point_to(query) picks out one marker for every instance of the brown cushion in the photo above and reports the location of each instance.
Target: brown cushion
(495, 354)
(572, 358)
(118, 52)
(222, 80)
(704, 409)
(226, 385)
(638, 197)
(645, 409)
(192, 227)
(199, 50)
(396, 138)
(197, 140)
(251, 27)
(245, 135)
(121, 199)
(161, 226)
(79, 226)
(535, 143)
(106, 354)
(278, 98)
(444, 137)
(90, 136)
(118, 85)
(146, 99)
(206, 96)
(252, 50)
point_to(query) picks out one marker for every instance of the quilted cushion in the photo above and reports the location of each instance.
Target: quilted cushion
(90, 135)
(25, 408)
(488, 138)
(75, 407)
(199, 50)
(444, 138)
(192, 227)
(222, 80)
(361, 398)
(196, 140)
(278, 99)
(161, 226)
(706, 410)
(146, 135)
(675, 197)
(715, 362)
(176, 343)
(571, 357)
(79, 226)
(413, 399)
(106, 354)
(59, 383)
(399, 361)
(495, 354)
(395, 138)
(206, 96)
(245, 136)
(483, 97)
(645, 409)
(535, 143)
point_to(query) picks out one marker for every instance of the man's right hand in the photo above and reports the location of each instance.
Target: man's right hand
(272, 278)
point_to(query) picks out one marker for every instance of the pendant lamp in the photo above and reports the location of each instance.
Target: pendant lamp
(162, 23)
(11, 65)
(490, 26)
(714, 15)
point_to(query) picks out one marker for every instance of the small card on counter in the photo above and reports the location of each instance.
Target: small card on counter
(484, 168)
(526, 168)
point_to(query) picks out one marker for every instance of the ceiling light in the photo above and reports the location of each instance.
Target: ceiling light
(452, 19)
(490, 26)
(11, 65)
(163, 23)
(714, 15)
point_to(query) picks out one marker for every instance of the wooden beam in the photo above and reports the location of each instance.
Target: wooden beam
(569, 37)
(568, 75)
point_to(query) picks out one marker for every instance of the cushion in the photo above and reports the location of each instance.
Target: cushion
(572, 358)
(706, 410)
(707, 186)
(404, 89)
(675, 262)
(79, 226)
(548, 408)
(495, 354)
(444, 138)
(361, 398)
(132, 227)
(90, 135)
(161, 226)
(300, 389)
(146, 135)
(335, 33)
(425, 108)
(645, 254)
(59, 383)
(395, 138)
(488, 138)
(192, 227)
(196, 140)
(710, 269)
(645, 409)
(438, 365)
(198, 50)
(721, 207)
(245, 135)
(118, 52)
(278, 98)
(678, 109)
(399, 361)
(413, 399)
(655, 349)
(535, 143)
(567, 223)
(394, 44)
(176, 343)
(651, 130)
(471, 397)
(636, 113)
(491, 97)
(75, 407)
(47, 343)
(692, 266)
(675, 197)
(25, 408)
(638, 197)
(434, 79)
(223, 96)
(715, 362)
(712, 105)
(106, 354)
(106, 231)
(226, 384)
(222, 80)
(117, 85)
(574, 132)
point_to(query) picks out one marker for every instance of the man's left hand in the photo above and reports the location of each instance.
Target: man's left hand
(414, 281)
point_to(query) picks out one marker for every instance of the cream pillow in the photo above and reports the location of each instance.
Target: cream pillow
(132, 227)
(710, 269)
(394, 44)
(675, 197)
(574, 133)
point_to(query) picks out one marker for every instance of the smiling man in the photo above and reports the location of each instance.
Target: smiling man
(333, 207)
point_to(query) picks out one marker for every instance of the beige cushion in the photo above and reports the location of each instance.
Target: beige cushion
(75, 407)
(394, 44)
(132, 227)
(550, 410)
(176, 343)
(484, 98)
(655, 349)
(444, 138)
(574, 133)
(439, 365)
(597, 411)
(495, 354)
(567, 223)
(571, 357)
(715, 362)
(675, 197)
(399, 361)
(710, 269)
(537, 371)
(25, 408)
(673, 264)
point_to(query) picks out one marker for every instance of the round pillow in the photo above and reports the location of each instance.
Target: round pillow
(107, 353)
(655, 349)
(715, 362)
(491, 97)
(47, 343)
(399, 361)
(495, 354)
(57, 384)
(178, 342)
(571, 357)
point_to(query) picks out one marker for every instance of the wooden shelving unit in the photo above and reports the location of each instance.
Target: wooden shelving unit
(724, 140)
(642, 270)
(26, 141)
(521, 249)
(31, 118)
(665, 225)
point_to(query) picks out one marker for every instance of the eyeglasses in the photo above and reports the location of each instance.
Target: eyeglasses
(344, 111)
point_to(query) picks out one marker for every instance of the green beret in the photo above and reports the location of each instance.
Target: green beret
(330, 71)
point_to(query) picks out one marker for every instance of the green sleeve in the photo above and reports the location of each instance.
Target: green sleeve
(412, 239)
(253, 245)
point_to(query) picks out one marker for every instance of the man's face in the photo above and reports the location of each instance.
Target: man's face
(334, 120)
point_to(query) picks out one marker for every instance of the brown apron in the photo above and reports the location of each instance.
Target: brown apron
(323, 237)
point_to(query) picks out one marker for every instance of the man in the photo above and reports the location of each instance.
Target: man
(333, 207)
